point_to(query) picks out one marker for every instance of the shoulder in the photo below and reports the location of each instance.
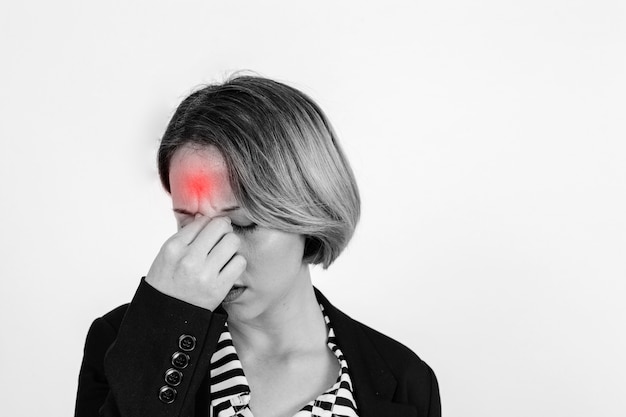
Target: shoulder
(103, 332)
(399, 358)
(92, 383)
(415, 381)
(414, 376)
(108, 325)
(396, 354)
(114, 317)
(382, 365)
(402, 361)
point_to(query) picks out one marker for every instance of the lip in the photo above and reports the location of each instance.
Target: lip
(234, 293)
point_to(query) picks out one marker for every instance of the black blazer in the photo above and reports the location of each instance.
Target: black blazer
(129, 349)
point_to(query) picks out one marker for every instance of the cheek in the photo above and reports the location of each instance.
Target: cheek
(270, 249)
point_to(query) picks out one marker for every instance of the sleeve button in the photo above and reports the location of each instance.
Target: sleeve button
(167, 394)
(173, 377)
(180, 360)
(187, 342)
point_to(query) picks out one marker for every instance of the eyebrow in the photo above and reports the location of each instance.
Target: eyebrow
(226, 210)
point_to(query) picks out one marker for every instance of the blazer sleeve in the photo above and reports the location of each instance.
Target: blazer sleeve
(123, 371)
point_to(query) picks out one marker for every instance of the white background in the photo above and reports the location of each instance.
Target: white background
(487, 137)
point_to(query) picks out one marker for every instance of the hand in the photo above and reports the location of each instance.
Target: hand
(193, 265)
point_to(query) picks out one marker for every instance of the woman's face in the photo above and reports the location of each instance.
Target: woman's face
(199, 185)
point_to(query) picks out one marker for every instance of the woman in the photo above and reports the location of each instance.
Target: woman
(227, 321)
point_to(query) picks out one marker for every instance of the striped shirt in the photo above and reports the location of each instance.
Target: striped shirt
(230, 392)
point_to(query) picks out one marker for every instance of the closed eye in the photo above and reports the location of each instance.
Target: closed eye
(244, 229)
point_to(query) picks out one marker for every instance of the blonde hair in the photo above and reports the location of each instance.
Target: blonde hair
(285, 164)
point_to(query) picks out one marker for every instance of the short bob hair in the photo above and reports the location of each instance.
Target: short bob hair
(286, 167)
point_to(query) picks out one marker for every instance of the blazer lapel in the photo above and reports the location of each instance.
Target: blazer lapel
(374, 384)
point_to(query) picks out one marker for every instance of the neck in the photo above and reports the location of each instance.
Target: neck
(294, 324)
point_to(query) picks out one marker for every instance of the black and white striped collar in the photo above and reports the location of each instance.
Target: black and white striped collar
(230, 392)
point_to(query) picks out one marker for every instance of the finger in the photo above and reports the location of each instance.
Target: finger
(208, 237)
(233, 269)
(222, 252)
(189, 232)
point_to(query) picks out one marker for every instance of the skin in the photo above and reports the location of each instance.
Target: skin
(276, 323)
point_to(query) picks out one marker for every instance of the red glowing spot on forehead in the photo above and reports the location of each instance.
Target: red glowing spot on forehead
(198, 184)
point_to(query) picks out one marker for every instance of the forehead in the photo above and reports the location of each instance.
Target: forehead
(199, 173)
